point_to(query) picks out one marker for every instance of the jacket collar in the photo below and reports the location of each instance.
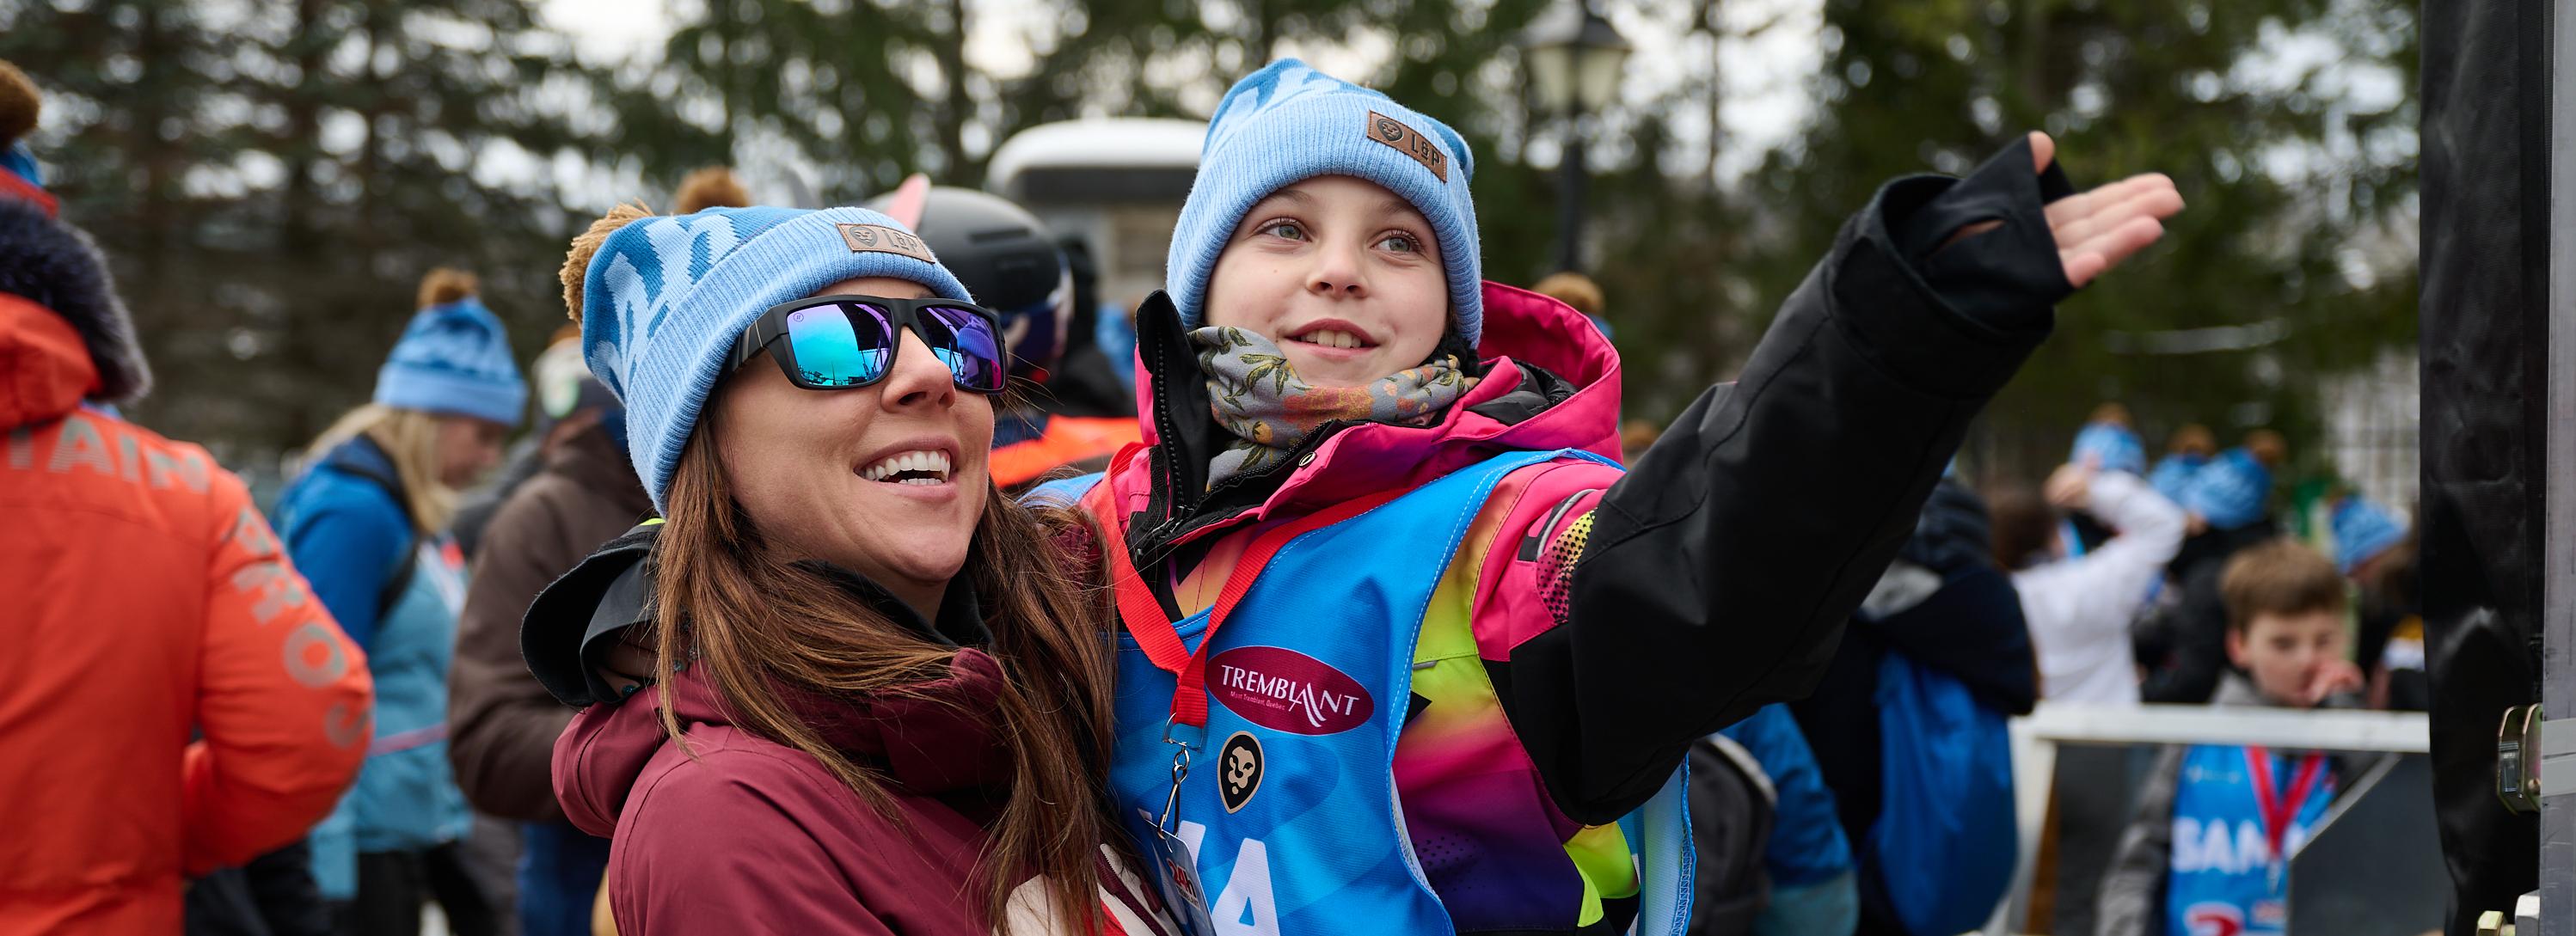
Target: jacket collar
(1550, 381)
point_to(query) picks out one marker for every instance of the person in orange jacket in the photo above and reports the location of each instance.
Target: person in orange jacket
(149, 605)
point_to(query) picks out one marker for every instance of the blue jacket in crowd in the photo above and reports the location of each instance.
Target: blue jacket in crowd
(348, 531)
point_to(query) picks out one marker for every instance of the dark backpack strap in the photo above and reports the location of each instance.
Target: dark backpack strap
(397, 579)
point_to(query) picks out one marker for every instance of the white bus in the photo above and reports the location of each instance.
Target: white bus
(1117, 183)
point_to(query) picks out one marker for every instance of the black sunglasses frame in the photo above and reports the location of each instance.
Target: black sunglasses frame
(769, 332)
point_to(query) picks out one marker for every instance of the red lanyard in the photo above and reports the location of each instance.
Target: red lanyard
(1161, 641)
(2279, 811)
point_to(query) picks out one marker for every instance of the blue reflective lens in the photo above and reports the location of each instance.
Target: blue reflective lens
(829, 353)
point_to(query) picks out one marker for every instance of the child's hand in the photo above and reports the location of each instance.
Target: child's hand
(2334, 677)
(628, 666)
(2097, 230)
(2070, 487)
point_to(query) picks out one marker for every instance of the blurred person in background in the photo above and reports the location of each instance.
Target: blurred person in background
(1635, 437)
(2189, 448)
(2081, 595)
(2182, 645)
(1579, 292)
(2216, 824)
(1942, 605)
(175, 701)
(367, 520)
(2376, 550)
(2081, 602)
(1090, 379)
(503, 723)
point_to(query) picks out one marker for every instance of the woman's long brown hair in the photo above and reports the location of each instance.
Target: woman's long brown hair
(763, 628)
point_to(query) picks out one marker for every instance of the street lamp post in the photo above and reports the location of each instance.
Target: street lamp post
(1574, 58)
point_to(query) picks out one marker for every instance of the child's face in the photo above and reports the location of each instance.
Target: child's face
(2286, 653)
(1342, 273)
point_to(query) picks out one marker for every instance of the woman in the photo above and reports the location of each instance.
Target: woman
(367, 523)
(887, 712)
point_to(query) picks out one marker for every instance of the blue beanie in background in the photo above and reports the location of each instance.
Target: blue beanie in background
(2115, 446)
(1288, 123)
(2362, 531)
(454, 359)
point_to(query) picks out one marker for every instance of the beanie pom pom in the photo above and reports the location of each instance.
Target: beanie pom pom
(711, 187)
(586, 245)
(19, 105)
(445, 285)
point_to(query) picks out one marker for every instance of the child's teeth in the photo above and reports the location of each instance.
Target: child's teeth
(1333, 339)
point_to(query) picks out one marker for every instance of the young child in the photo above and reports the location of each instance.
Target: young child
(2216, 824)
(1403, 647)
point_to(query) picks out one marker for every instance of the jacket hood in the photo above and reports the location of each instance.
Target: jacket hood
(929, 740)
(54, 266)
(44, 369)
(1952, 533)
(1551, 381)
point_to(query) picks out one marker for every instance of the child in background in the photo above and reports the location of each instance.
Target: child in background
(1579, 292)
(2185, 452)
(2209, 849)
(2376, 550)
(2234, 490)
(2080, 602)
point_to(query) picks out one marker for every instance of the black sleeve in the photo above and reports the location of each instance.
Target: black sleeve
(1717, 575)
(2194, 637)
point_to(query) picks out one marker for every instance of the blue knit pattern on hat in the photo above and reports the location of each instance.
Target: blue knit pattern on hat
(1288, 123)
(2172, 477)
(665, 298)
(2233, 490)
(454, 359)
(2114, 445)
(2361, 531)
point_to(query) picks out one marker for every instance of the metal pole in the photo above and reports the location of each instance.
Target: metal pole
(2558, 443)
(1569, 253)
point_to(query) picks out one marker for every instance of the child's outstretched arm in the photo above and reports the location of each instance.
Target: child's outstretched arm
(1718, 573)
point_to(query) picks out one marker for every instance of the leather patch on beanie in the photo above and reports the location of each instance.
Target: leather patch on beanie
(1406, 140)
(878, 238)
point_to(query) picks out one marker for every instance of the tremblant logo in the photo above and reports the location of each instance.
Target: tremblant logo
(1285, 690)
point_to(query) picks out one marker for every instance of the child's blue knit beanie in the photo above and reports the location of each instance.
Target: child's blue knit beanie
(2116, 446)
(2362, 531)
(1288, 123)
(454, 359)
(665, 298)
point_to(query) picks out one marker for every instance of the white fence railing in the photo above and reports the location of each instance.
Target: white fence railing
(2036, 736)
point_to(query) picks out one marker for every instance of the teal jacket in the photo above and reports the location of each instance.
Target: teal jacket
(396, 594)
